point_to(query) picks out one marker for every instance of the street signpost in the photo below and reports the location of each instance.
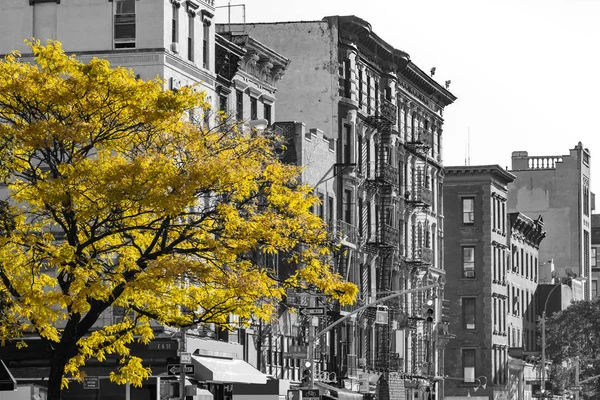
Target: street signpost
(313, 311)
(310, 394)
(185, 358)
(300, 352)
(173, 369)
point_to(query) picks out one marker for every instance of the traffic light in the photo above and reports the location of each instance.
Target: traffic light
(307, 373)
(428, 312)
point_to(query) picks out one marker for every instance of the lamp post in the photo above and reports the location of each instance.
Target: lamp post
(543, 326)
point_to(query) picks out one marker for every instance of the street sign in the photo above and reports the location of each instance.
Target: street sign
(313, 311)
(91, 382)
(310, 394)
(300, 352)
(173, 369)
(185, 358)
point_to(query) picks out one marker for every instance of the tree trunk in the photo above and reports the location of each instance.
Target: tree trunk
(59, 358)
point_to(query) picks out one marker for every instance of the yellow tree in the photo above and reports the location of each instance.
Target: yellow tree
(113, 198)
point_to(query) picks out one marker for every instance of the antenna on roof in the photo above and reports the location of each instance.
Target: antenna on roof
(468, 162)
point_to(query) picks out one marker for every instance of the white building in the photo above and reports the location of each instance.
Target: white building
(171, 39)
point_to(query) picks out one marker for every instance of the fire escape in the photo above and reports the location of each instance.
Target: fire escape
(384, 239)
(419, 254)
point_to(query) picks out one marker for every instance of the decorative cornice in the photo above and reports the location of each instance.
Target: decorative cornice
(531, 231)
(493, 170)
(192, 8)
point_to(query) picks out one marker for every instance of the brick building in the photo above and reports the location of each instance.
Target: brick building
(491, 260)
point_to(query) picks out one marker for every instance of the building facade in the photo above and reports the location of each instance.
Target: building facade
(491, 259)
(386, 117)
(558, 189)
(594, 255)
(170, 39)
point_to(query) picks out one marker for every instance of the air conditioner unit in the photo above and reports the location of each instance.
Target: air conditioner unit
(175, 47)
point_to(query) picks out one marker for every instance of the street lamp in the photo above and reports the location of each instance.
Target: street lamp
(543, 325)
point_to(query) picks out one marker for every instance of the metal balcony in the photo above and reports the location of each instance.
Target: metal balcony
(387, 173)
(421, 255)
(421, 196)
(345, 232)
(421, 139)
(388, 110)
(386, 235)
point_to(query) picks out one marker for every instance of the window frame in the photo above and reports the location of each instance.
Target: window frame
(190, 41)
(122, 19)
(469, 356)
(239, 105)
(464, 262)
(174, 24)
(469, 321)
(468, 216)
(253, 108)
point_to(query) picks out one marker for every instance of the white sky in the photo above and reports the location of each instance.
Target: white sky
(526, 72)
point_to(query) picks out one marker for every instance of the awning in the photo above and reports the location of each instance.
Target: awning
(226, 370)
(338, 393)
(203, 394)
(7, 381)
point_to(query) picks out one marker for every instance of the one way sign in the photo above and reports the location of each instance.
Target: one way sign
(174, 369)
(313, 311)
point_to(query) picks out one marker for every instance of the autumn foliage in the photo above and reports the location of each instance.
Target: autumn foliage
(114, 198)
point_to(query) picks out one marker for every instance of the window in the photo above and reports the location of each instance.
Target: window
(239, 105)
(359, 150)
(205, 44)
(348, 206)
(253, 108)
(468, 262)
(321, 206)
(175, 24)
(330, 211)
(267, 113)
(124, 24)
(586, 200)
(361, 225)
(347, 144)
(468, 311)
(346, 78)
(468, 212)
(388, 93)
(223, 103)
(190, 43)
(360, 87)
(368, 94)
(468, 361)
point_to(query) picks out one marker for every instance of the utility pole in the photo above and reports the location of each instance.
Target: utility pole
(182, 349)
(577, 378)
(543, 323)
